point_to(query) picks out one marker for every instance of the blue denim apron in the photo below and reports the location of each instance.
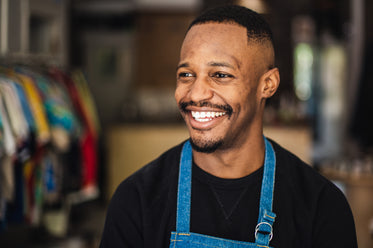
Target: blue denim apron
(263, 231)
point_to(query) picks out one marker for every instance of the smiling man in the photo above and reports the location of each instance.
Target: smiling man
(228, 185)
(223, 79)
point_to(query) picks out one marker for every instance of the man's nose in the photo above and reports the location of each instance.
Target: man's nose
(201, 90)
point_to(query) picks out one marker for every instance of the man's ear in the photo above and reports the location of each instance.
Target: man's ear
(270, 82)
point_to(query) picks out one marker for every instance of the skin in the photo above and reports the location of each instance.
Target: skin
(214, 70)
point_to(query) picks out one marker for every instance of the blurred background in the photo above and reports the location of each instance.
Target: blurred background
(86, 98)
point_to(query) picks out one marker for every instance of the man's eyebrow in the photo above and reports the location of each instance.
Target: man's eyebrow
(213, 63)
(183, 65)
(221, 64)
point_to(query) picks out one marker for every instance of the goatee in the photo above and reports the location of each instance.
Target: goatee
(207, 146)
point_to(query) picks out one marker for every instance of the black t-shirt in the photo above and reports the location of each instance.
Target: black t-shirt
(311, 211)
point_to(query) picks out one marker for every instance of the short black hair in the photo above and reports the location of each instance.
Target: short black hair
(257, 27)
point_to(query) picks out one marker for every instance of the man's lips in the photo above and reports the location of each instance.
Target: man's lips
(205, 115)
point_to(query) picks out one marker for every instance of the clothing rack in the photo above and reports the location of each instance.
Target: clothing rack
(48, 141)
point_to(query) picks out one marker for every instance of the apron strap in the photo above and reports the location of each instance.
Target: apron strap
(264, 230)
(184, 189)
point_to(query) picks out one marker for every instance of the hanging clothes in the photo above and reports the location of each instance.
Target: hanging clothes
(6, 169)
(88, 105)
(38, 111)
(14, 110)
(59, 111)
(48, 140)
(83, 103)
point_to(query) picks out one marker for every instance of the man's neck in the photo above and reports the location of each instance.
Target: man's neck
(235, 162)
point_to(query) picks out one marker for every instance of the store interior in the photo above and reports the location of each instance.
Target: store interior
(99, 80)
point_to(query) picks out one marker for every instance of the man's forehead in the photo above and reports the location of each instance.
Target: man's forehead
(229, 40)
(216, 34)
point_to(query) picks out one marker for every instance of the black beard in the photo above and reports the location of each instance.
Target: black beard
(226, 108)
(208, 147)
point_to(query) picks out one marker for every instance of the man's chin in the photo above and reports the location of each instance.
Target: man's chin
(207, 146)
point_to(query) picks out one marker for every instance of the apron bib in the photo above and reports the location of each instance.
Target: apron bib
(263, 231)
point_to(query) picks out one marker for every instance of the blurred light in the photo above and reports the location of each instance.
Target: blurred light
(257, 5)
(169, 4)
(303, 61)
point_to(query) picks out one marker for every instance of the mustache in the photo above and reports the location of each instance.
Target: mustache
(226, 107)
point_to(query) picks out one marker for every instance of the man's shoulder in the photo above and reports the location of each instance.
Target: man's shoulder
(297, 173)
(302, 181)
(317, 206)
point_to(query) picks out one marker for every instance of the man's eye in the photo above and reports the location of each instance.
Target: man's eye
(185, 75)
(222, 75)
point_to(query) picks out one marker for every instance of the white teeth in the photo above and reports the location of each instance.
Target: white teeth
(206, 116)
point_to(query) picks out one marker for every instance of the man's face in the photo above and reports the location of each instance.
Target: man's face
(217, 85)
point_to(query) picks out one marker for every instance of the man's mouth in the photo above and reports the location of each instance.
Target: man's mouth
(204, 116)
(204, 113)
